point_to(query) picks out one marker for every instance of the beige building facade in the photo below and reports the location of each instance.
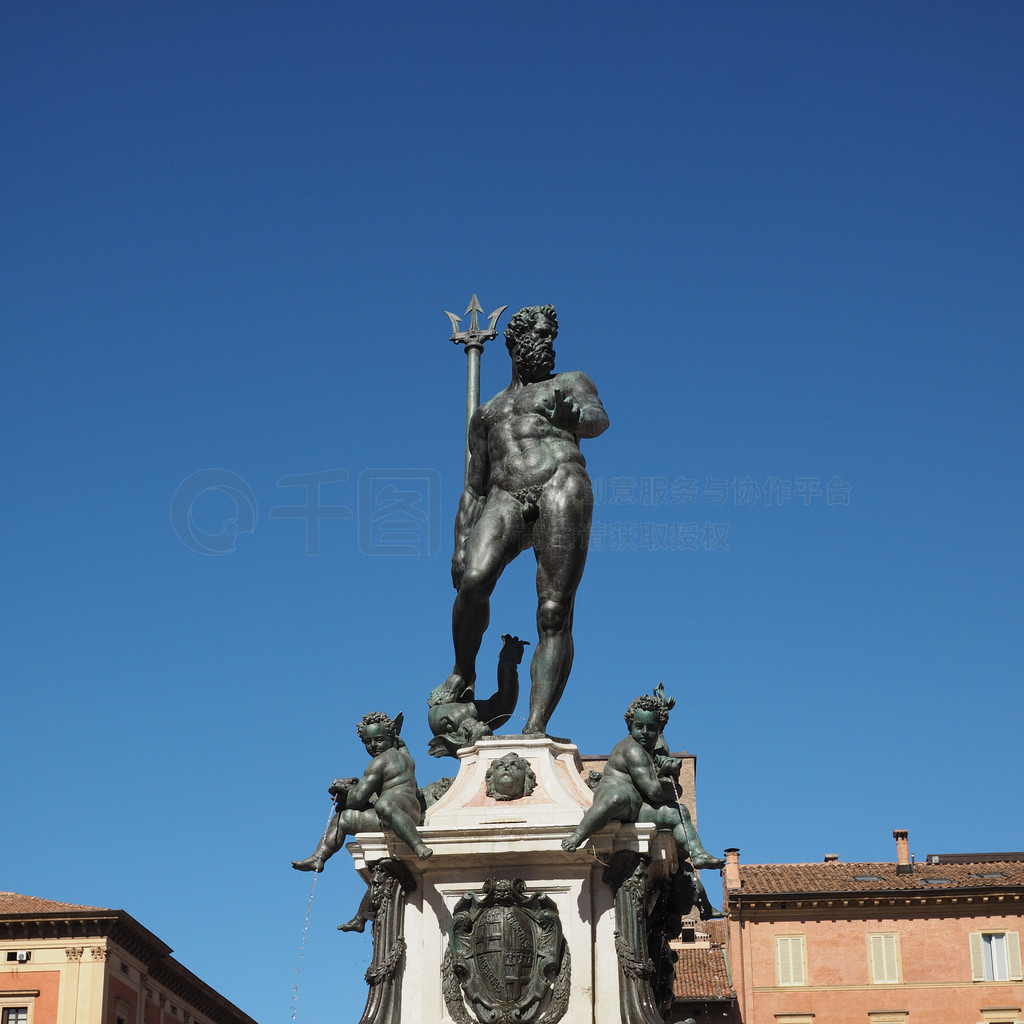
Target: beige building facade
(64, 963)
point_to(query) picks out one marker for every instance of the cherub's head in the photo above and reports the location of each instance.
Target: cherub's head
(646, 717)
(378, 732)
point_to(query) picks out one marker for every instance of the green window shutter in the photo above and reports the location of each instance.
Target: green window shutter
(977, 957)
(1013, 955)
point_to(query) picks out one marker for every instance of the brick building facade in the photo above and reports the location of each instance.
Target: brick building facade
(62, 963)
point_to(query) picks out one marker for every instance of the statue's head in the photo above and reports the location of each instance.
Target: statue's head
(509, 778)
(646, 717)
(379, 732)
(454, 724)
(530, 337)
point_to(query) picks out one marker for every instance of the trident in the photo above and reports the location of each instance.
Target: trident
(474, 340)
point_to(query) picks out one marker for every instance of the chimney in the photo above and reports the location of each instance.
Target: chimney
(732, 868)
(903, 865)
(831, 858)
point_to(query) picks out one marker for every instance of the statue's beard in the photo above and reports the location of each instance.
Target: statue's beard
(534, 361)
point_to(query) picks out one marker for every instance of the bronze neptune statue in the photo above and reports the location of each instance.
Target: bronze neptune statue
(526, 486)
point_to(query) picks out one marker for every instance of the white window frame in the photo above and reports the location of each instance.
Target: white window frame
(884, 952)
(1011, 949)
(795, 943)
(16, 999)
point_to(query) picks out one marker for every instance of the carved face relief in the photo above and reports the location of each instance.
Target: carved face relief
(510, 777)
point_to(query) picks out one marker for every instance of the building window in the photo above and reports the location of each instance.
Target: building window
(789, 958)
(1000, 1015)
(15, 1015)
(884, 956)
(995, 956)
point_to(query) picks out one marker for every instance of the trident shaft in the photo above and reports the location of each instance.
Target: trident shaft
(474, 340)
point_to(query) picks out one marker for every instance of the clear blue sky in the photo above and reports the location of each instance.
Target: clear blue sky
(785, 240)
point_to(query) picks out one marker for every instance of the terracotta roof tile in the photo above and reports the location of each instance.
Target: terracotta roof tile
(837, 876)
(701, 973)
(15, 903)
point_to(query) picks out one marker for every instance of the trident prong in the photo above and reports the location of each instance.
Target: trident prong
(456, 320)
(473, 339)
(493, 319)
(472, 309)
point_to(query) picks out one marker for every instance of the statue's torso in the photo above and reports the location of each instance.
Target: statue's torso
(524, 448)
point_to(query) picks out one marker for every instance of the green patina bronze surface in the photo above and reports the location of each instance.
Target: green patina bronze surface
(386, 797)
(526, 486)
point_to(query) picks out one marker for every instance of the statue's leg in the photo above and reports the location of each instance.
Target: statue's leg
(365, 913)
(702, 901)
(699, 857)
(397, 818)
(494, 542)
(331, 841)
(610, 804)
(561, 536)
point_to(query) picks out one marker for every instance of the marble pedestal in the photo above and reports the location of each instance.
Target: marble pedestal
(475, 838)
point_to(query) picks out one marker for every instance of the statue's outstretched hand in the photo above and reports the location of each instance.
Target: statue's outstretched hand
(564, 413)
(512, 648)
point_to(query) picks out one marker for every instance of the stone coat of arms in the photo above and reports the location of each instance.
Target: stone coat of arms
(507, 952)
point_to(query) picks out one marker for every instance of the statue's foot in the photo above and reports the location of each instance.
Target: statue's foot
(572, 843)
(423, 852)
(705, 860)
(357, 924)
(541, 735)
(536, 731)
(313, 863)
(708, 912)
(459, 687)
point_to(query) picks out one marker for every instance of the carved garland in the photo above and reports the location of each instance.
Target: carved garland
(383, 971)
